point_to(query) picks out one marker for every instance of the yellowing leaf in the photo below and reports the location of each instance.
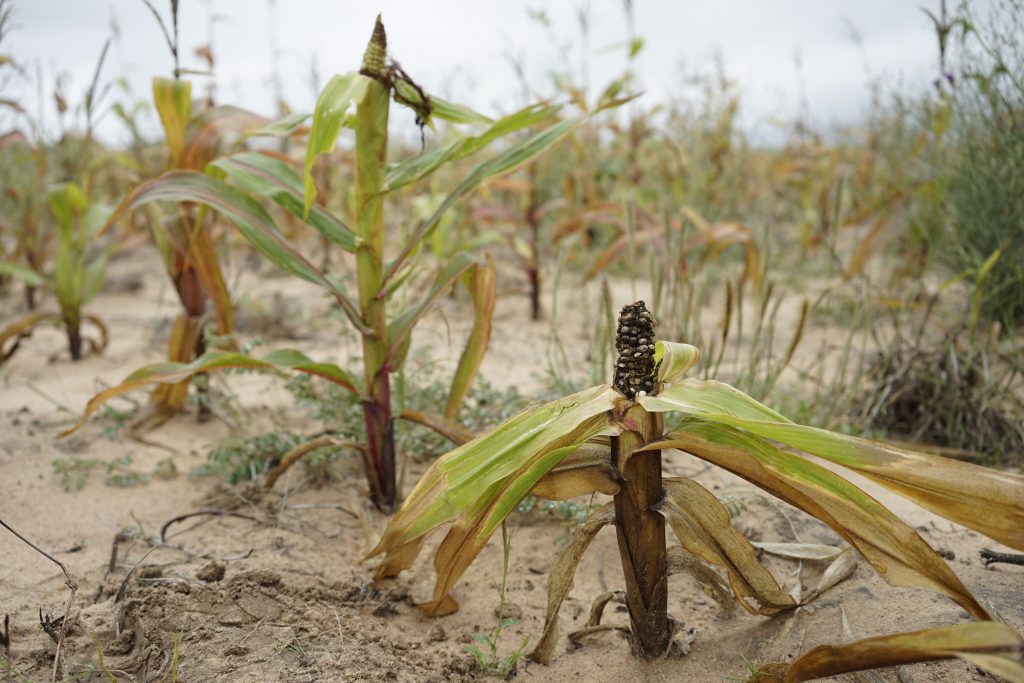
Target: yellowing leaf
(170, 373)
(173, 100)
(981, 498)
(992, 646)
(703, 528)
(893, 548)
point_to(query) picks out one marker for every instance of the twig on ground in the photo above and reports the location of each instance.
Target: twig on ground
(989, 557)
(68, 581)
(215, 513)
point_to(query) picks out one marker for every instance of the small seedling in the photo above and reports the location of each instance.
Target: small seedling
(488, 660)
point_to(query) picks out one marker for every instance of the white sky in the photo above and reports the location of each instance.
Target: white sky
(457, 48)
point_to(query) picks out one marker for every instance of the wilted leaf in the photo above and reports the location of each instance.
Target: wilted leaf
(450, 430)
(702, 526)
(173, 100)
(984, 499)
(811, 552)
(482, 283)
(23, 328)
(560, 577)
(840, 570)
(588, 469)
(251, 219)
(480, 483)
(991, 646)
(895, 550)
(680, 561)
(169, 373)
(208, 133)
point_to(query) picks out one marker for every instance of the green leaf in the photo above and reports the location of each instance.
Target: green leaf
(23, 273)
(170, 373)
(332, 106)
(280, 128)
(479, 483)
(266, 176)
(675, 360)
(415, 168)
(983, 499)
(251, 219)
(440, 108)
(508, 160)
(401, 327)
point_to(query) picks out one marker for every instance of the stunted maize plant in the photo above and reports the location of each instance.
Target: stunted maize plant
(610, 439)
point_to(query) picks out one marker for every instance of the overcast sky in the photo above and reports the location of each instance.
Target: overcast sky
(780, 53)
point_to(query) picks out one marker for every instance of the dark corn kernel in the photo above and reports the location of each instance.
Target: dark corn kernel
(635, 370)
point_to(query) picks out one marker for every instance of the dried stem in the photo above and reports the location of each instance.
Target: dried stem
(69, 581)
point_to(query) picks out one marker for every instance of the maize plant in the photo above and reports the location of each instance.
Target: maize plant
(79, 265)
(610, 439)
(386, 336)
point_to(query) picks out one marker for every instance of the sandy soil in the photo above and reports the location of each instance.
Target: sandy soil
(279, 593)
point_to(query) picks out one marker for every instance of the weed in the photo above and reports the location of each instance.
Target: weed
(488, 660)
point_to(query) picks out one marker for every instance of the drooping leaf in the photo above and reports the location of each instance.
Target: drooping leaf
(482, 283)
(560, 578)
(994, 647)
(704, 529)
(450, 430)
(587, 470)
(894, 549)
(173, 101)
(19, 329)
(811, 552)
(332, 106)
(401, 327)
(266, 176)
(681, 561)
(251, 219)
(980, 498)
(479, 483)
(169, 373)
